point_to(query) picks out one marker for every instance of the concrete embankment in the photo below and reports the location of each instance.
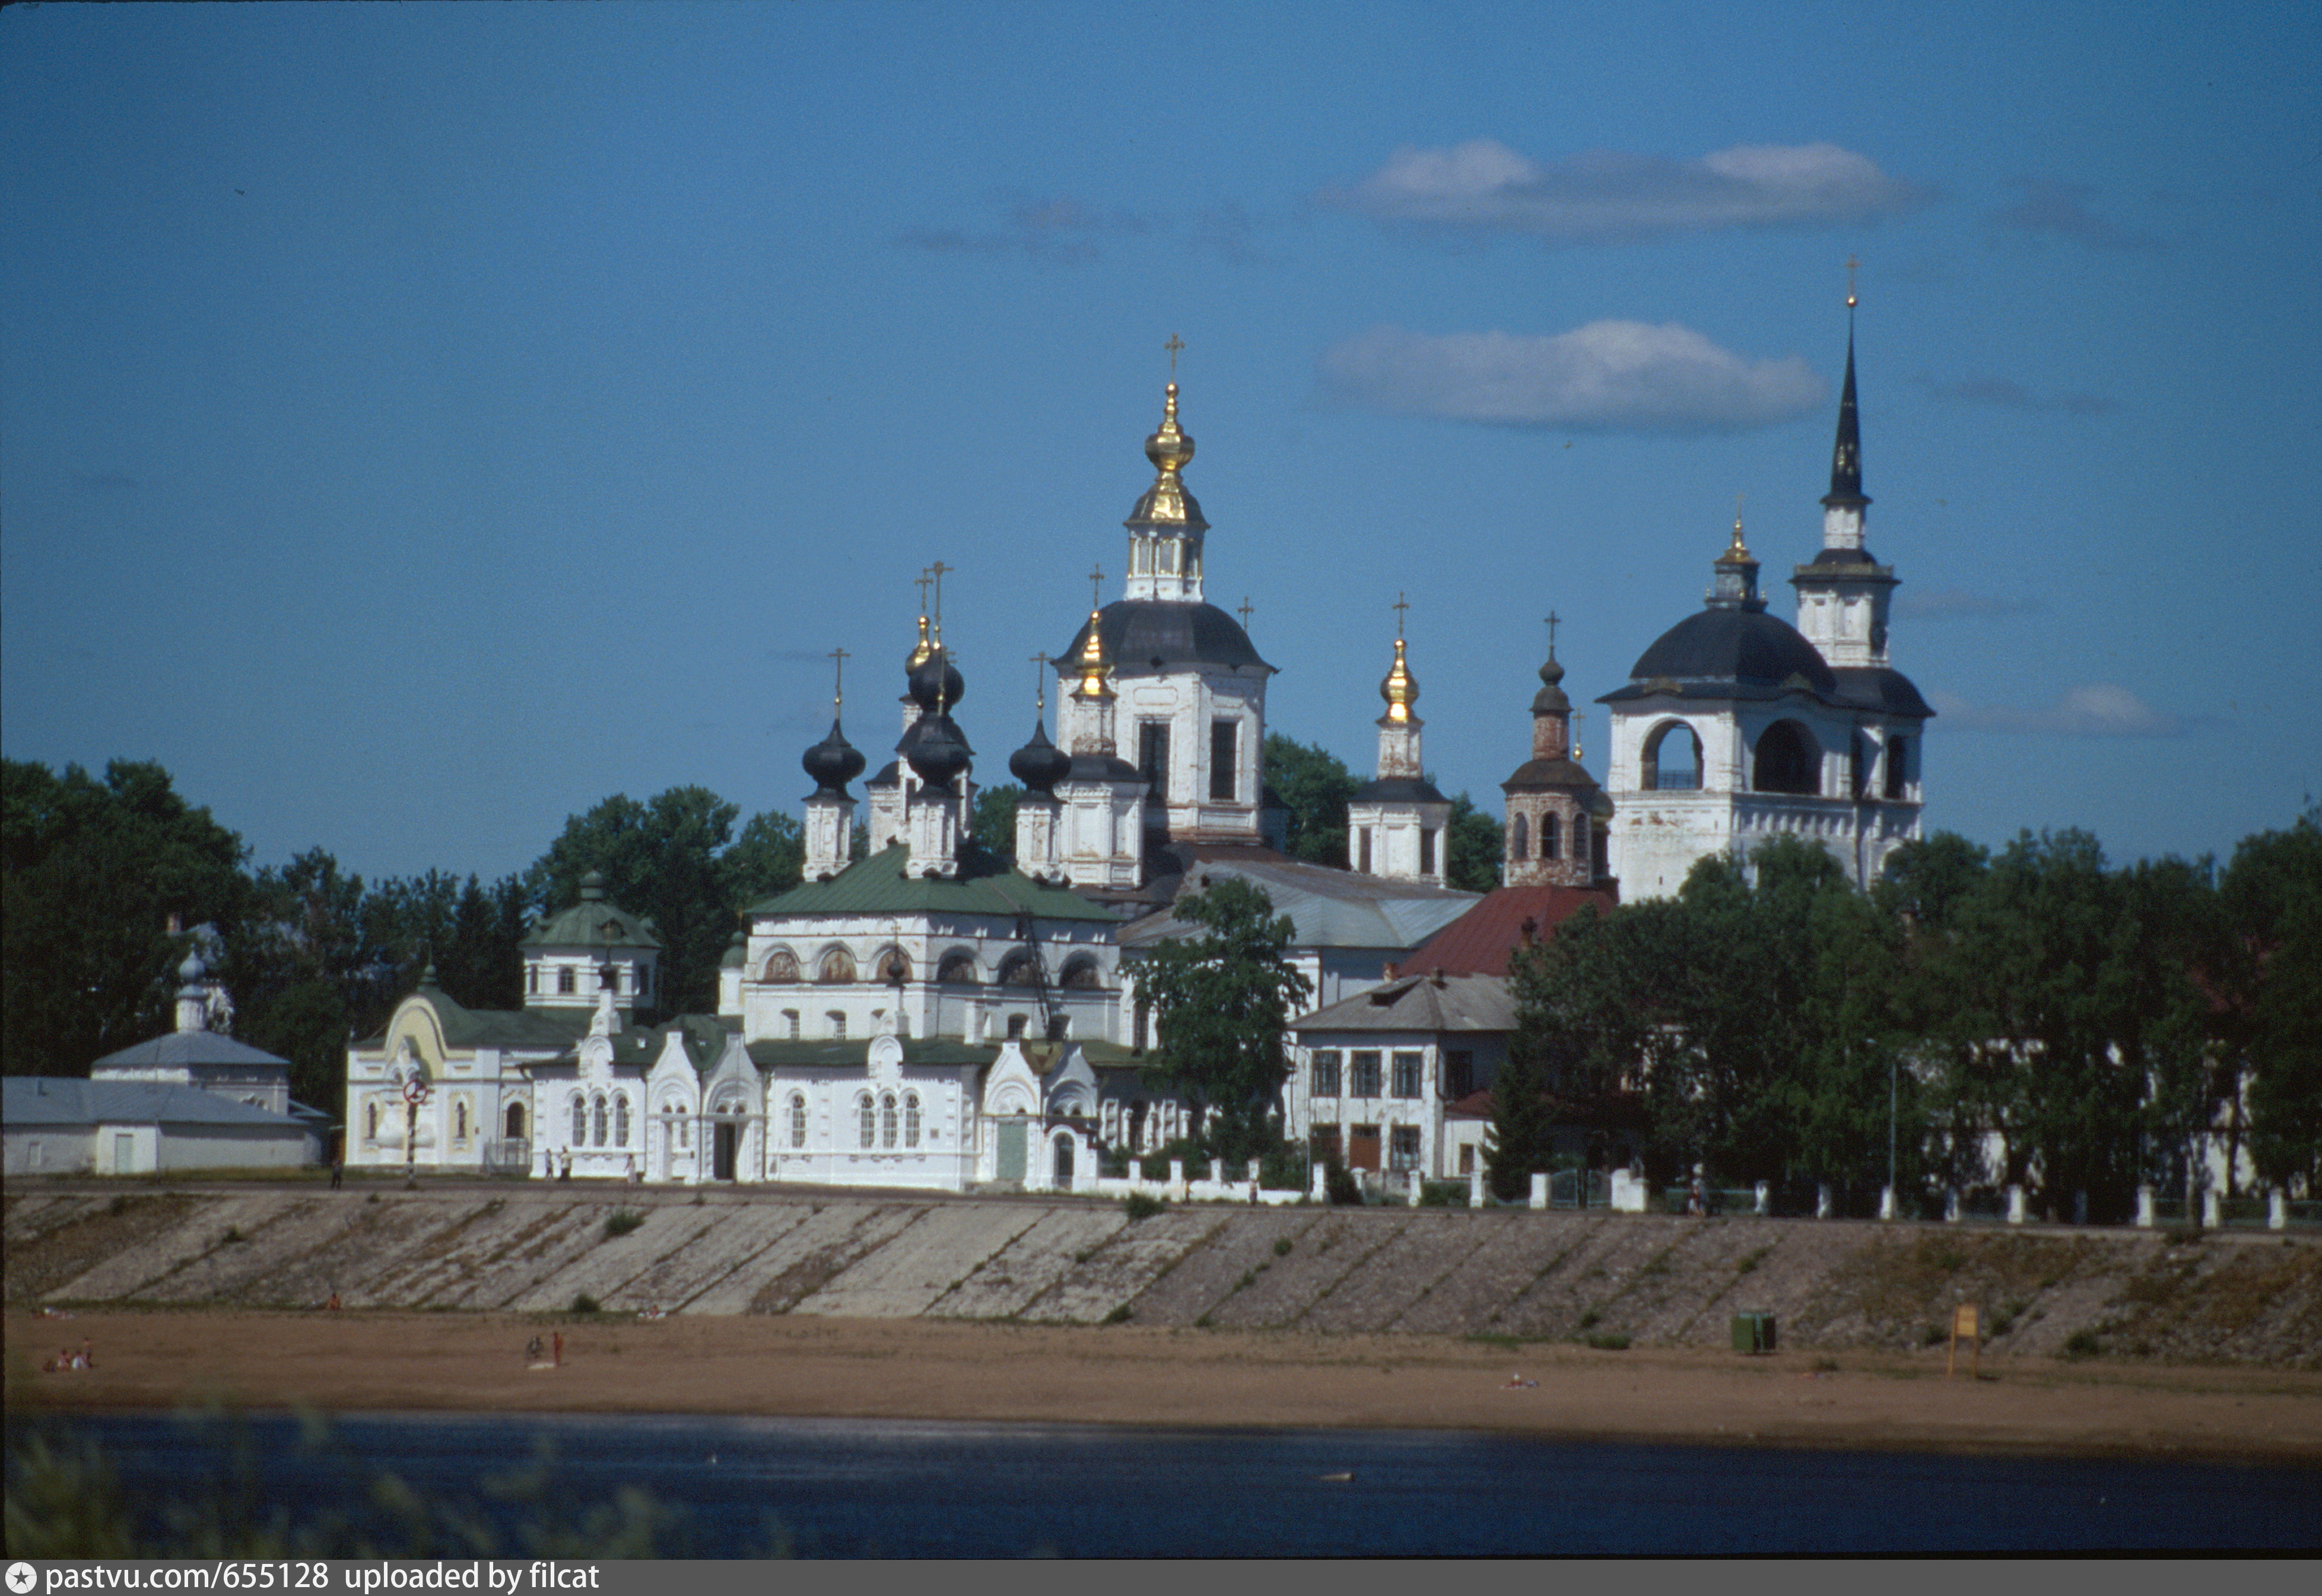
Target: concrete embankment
(2235, 1297)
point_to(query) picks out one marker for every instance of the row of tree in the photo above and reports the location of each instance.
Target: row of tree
(2027, 1017)
(94, 870)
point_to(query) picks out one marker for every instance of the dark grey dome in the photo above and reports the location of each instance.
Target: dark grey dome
(1882, 688)
(935, 682)
(1397, 790)
(934, 749)
(1142, 636)
(1039, 764)
(834, 762)
(1745, 647)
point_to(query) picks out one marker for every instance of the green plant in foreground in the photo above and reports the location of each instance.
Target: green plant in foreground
(583, 1303)
(1142, 1205)
(1609, 1341)
(621, 1222)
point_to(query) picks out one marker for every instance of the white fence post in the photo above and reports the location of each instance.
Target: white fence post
(1822, 1200)
(1539, 1191)
(2213, 1208)
(2277, 1209)
(2016, 1205)
(1476, 1189)
(1320, 1187)
(2145, 1208)
(1765, 1195)
(1886, 1202)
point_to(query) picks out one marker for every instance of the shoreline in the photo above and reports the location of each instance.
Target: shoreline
(807, 1367)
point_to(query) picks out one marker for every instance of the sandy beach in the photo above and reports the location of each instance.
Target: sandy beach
(811, 1367)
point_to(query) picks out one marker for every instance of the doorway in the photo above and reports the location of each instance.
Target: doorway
(1011, 1150)
(1363, 1148)
(724, 1148)
(1064, 1163)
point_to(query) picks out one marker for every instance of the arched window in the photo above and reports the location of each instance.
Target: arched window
(579, 1123)
(1581, 839)
(887, 1121)
(531, 980)
(564, 980)
(894, 969)
(1016, 1023)
(868, 1119)
(1081, 975)
(1785, 760)
(797, 1119)
(621, 1121)
(781, 966)
(459, 1120)
(1064, 1165)
(600, 1122)
(911, 1119)
(371, 1121)
(1550, 839)
(515, 1122)
(1858, 767)
(838, 1018)
(1020, 969)
(1672, 760)
(837, 968)
(958, 969)
(1898, 768)
(1519, 840)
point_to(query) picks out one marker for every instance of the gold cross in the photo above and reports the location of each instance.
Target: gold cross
(1552, 618)
(1096, 587)
(1173, 346)
(837, 677)
(936, 571)
(922, 585)
(1401, 604)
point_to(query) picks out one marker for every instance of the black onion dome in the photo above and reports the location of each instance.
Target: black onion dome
(1144, 635)
(935, 683)
(1039, 764)
(1550, 699)
(1741, 647)
(935, 749)
(834, 762)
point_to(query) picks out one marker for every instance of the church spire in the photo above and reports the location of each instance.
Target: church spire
(1165, 527)
(1846, 456)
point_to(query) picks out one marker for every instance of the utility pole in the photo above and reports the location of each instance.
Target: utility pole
(1894, 1090)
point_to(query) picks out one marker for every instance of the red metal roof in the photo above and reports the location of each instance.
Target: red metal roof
(1478, 943)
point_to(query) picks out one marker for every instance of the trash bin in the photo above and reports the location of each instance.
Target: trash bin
(1754, 1332)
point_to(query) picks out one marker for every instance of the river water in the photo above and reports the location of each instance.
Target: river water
(742, 1487)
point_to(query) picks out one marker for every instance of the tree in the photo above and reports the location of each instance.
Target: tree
(995, 819)
(1473, 847)
(90, 873)
(1519, 1142)
(769, 857)
(2271, 896)
(1220, 1002)
(1315, 786)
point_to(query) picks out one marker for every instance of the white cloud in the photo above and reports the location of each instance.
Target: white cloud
(2101, 709)
(1484, 185)
(1603, 376)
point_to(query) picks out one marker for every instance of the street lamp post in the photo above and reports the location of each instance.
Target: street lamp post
(1894, 1091)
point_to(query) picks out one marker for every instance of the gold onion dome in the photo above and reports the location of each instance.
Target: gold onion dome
(1401, 688)
(1091, 664)
(1166, 503)
(919, 655)
(1170, 446)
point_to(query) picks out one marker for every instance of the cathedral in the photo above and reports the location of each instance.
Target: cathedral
(930, 1016)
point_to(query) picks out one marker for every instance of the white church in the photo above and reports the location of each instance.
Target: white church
(929, 1016)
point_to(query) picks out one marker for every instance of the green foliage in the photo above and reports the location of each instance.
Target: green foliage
(1519, 1139)
(1282, 1246)
(1119, 1315)
(621, 1221)
(994, 824)
(2273, 899)
(2082, 1344)
(584, 1304)
(1474, 848)
(668, 859)
(1142, 1205)
(1315, 785)
(1220, 1001)
(90, 872)
(1609, 1341)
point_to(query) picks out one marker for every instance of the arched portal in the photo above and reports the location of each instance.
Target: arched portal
(1672, 759)
(1785, 759)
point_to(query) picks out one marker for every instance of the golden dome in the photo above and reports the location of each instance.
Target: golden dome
(1170, 446)
(1401, 688)
(1092, 665)
(926, 647)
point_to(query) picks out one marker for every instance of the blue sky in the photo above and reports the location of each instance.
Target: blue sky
(420, 422)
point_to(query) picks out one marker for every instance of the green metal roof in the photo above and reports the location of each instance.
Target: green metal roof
(984, 886)
(593, 923)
